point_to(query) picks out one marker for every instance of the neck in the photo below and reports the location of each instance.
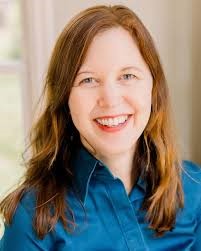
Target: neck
(121, 166)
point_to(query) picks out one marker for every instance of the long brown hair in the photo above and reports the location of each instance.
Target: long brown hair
(48, 169)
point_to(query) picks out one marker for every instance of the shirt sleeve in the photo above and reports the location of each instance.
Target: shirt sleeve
(20, 235)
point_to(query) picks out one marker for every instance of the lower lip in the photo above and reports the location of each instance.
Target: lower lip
(115, 128)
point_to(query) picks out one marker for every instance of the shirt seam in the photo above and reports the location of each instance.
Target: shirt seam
(136, 219)
(117, 217)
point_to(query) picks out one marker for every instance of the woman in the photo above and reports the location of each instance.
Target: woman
(105, 172)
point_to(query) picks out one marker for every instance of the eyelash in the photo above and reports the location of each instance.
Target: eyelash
(130, 75)
(84, 80)
(123, 75)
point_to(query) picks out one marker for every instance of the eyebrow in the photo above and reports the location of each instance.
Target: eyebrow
(85, 72)
(123, 69)
(131, 67)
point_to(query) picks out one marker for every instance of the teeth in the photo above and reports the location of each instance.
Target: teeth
(112, 121)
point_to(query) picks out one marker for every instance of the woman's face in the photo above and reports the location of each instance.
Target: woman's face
(110, 102)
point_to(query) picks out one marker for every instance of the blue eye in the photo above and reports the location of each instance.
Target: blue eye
(131, 76)
(86, 82)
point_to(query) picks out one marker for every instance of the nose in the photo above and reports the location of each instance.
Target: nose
(110, 95)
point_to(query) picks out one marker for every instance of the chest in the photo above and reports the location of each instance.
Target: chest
(112, 220)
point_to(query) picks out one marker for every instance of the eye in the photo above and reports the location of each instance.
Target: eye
(129, 76)
(86, 81)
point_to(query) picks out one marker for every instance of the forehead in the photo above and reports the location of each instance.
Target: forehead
(113, 49)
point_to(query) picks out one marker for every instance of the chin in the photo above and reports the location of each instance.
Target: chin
(110, 147)
(113, 149)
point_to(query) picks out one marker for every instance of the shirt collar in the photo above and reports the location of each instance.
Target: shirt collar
(85, 165)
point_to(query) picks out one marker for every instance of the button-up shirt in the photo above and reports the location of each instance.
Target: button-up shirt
(106, 217)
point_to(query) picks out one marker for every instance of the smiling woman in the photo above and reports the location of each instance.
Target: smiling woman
(104, 155)
(110, 97)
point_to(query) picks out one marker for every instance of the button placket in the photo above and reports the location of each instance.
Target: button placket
(126, 216)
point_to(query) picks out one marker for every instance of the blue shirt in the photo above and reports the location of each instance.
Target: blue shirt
(113, 221)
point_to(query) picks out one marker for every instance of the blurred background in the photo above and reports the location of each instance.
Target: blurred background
(28, 30)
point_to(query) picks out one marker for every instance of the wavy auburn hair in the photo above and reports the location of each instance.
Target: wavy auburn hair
(49, 172)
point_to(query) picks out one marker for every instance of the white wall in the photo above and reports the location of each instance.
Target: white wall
(196, 73)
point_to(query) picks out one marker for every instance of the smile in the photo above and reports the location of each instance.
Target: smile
(113, 123)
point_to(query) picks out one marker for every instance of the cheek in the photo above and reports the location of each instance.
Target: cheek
(146, 101)
(145, 106)
(80, 106)
(74, 106)
(141, 100)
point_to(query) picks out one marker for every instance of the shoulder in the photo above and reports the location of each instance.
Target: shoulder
(191, 181)
(26, 207)
(191, 175)
(20, 234)
(28, 202)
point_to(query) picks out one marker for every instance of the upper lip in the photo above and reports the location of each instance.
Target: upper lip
(113, 116)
